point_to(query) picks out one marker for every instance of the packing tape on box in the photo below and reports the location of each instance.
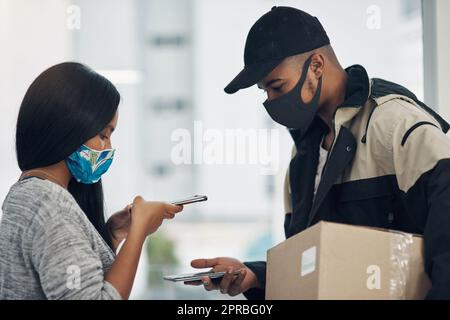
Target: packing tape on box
(400, 251)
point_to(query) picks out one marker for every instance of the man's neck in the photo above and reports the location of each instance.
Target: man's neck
(328, 109)
(339, 89)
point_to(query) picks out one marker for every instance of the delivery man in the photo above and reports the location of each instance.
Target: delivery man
(367, 151)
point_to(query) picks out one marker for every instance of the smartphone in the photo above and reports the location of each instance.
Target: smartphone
(189, 200)
(215, 276)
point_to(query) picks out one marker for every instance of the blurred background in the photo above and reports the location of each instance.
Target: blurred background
(170, 60)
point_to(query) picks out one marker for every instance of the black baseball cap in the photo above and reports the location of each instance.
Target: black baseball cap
(280, 33)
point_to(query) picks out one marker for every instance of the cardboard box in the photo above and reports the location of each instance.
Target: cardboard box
(337, 261)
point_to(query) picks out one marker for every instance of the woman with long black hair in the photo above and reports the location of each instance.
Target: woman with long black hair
(54, 241)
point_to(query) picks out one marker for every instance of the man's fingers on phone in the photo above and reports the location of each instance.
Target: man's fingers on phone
(204, 263)
(235, 287)
(193, 283)
(208, 284)
(226, 280)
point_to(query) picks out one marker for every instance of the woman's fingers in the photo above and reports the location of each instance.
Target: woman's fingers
(173, 208)
(166, 210)
(138, 199)
(169, 216)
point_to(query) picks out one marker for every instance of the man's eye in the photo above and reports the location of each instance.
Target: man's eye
(278, 88)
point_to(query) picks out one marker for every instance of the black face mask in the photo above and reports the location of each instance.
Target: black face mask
(290, 111)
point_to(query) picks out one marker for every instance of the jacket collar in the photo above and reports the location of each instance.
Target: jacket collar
(358, 87)
(358, 91)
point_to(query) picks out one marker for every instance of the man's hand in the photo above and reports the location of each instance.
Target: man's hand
(230, 284)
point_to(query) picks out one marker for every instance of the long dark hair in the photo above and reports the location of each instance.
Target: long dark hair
(64, 107)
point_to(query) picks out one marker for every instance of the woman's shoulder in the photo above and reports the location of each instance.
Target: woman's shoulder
(36, 198)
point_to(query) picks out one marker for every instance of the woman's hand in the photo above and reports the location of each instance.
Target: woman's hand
(119, 224)
(147, 216)
(142, 219)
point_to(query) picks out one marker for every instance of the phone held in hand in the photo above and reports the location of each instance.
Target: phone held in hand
(185, 201)
(190, 277)
(190, 200)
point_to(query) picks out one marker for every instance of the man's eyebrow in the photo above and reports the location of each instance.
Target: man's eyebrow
(270, 82)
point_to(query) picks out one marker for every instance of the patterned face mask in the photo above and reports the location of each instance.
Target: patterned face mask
(88, 165)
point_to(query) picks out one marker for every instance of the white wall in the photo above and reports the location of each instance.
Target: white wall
(31, 40)
(443, 56)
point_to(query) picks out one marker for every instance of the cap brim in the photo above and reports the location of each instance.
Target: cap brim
(250, 75)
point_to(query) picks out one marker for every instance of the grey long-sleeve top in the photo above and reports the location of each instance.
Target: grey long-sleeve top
(48, 247)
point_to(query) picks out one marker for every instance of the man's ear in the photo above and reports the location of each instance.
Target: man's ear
(317, 64)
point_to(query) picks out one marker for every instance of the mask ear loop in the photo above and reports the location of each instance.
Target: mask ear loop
(299, 85)
(302, 82)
